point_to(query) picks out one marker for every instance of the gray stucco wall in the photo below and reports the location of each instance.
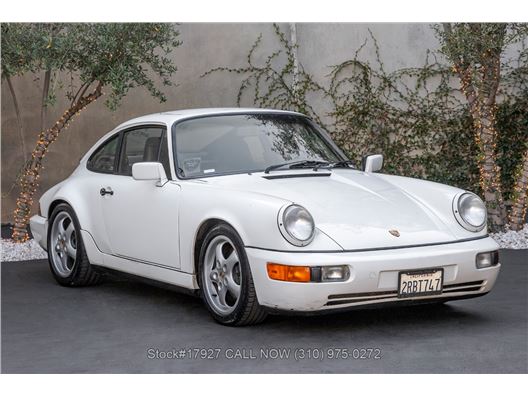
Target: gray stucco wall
(204, 46)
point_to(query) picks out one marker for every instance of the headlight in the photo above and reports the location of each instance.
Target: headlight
(296, 225)
(470, 211)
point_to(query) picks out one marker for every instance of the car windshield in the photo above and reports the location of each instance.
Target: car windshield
(246, 143)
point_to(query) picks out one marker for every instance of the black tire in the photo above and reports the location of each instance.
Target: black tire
(82, 273)
(247, 310)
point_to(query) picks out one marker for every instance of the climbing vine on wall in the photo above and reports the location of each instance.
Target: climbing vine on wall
(416, 117)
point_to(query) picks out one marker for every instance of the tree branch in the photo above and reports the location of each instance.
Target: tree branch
(80, 92)
(45, 94)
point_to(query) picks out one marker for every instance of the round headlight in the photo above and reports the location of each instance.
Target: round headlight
(296, 225)
(472, 211)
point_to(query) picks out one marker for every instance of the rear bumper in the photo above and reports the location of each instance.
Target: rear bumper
(373, 276)
(39, 229)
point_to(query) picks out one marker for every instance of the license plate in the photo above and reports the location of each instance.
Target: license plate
(420, 283)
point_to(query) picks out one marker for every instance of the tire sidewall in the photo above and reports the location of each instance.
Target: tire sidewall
(70, 279)
(228, 231)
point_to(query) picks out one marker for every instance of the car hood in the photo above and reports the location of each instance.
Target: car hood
(357, 210)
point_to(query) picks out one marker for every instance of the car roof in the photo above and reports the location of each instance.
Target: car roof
(172, 116)
(169, 117)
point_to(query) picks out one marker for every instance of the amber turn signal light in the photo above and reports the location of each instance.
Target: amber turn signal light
(288, 273)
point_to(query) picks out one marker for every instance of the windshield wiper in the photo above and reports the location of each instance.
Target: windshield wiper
(296, 164)
(343, 164)
(331, 165)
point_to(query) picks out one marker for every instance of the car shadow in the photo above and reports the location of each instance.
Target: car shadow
(444, 315)
(396, 318)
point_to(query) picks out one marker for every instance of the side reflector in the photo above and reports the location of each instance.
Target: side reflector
(288, 273)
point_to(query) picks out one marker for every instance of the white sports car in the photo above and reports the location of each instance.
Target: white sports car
(259, 211)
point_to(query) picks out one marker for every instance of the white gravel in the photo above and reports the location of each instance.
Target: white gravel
(31, 250)
(512, 239)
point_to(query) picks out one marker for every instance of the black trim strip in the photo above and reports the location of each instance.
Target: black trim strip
(342, 302)
(366, 294)
(148, 281)
(389, 294)
(291, 176)
(475, 283)
(370, 249)
(374, 299)
(148, 263)
(468, 289)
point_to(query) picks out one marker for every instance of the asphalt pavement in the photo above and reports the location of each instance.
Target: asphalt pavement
(125, 326)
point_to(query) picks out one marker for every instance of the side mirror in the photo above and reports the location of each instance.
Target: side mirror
(149, 171)
(372, 163)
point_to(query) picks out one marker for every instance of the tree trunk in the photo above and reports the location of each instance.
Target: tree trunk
(480, 82)
(490, 177)
(520, 195)
(31, 174)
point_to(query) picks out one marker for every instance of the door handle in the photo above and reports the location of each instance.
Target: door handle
(105, 191)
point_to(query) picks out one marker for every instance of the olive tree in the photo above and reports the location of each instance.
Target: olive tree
(92, 59)
(475, 51)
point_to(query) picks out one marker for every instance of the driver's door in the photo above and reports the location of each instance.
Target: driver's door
(141, 218)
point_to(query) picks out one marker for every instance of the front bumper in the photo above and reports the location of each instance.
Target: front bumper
(373, 275)
(39, 229)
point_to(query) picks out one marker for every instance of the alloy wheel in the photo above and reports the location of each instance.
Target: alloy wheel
(63, 244)
(222, 275)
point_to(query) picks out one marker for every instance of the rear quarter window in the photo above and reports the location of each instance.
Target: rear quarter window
(103, 160)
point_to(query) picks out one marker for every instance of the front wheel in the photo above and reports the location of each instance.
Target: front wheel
(66, 254)
(225, 279)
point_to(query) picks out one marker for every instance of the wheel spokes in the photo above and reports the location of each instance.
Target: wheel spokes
(64, 260)
(219, 255)
(69, 231)
(230, 261)
(222, 294)
(70, 241)
(233, 288)
(70, 250)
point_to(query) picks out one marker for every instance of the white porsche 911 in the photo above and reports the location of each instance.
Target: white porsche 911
(259, 211)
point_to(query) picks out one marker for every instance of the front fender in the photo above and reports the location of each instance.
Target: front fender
(436, 197)
(252, 215)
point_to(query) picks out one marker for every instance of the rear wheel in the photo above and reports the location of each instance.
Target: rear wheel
(225, 279)
(66, 254)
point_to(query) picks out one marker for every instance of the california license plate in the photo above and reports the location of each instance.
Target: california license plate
(420, 283)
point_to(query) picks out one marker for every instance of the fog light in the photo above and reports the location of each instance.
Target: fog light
(288, 273)
(487, 259)
(338, 273)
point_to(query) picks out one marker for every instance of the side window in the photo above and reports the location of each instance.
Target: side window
(139, 145)
(104, 158)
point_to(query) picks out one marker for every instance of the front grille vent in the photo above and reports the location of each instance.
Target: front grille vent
(352, 298)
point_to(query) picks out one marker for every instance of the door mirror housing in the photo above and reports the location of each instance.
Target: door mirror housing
(149, 171)
(373, 163)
